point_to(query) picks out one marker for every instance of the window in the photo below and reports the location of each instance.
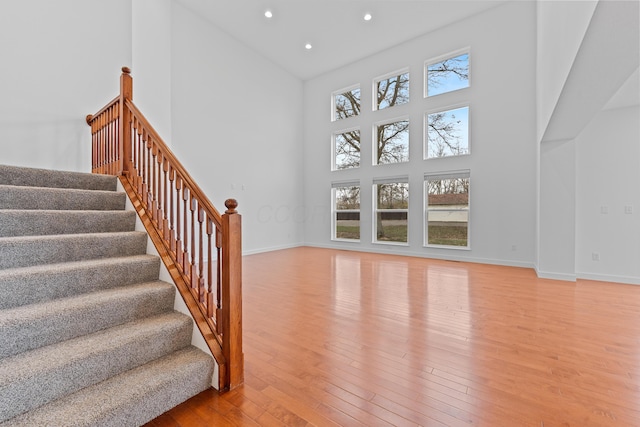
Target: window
(346, 146)
(392, 142)
(391, 210)
(447, 75)
(447, 133)
(391, 90)
(447, 209)
(346, 103)
(346, 207)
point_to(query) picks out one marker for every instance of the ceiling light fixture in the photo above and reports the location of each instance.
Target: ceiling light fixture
(268, 14)
(367, 17)
(308, 46)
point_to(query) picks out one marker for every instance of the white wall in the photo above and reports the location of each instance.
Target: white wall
(561, 26)
(151, 62)
(502, 140)
(60, 61)
(567, 242)
(237, 127)
(608, 175)
(556, 251)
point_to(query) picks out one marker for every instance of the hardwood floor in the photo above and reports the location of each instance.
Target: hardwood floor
(356, 339)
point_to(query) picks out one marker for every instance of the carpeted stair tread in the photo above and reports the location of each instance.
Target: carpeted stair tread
(36, 325)
(130, 399)
(88, 335)
(34, 284)
(33, 177)
(35, 250)
(21, 197)
(18, 222)
(39, 376)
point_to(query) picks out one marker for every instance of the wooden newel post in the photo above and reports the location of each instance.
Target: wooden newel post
(126, 93)
(232, 294)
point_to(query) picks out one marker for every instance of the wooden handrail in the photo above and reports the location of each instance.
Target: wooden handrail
(201, 249)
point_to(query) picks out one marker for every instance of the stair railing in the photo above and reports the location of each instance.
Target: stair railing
(200, 248)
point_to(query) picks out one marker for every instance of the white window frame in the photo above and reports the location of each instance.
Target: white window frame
(374, 225)
(425, 129)
(334, 210)
(340, 92)
(438, 176)
(440, 58)
(334, 167)
(374, 89)
(374, 137)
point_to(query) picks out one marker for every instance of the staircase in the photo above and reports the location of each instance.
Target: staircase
(88, 334)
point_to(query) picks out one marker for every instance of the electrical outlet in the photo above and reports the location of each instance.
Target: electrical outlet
(628, 210)
(595, 256)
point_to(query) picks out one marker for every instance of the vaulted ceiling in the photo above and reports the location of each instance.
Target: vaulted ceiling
(336, 29)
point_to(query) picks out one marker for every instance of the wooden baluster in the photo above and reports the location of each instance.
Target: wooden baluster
(118, 139)
(218, 281)
(140, 162)
(172, 190)
(210, 303)
(201, 289)
(154, 182)
(165, 203)
(101, 149)
(147, 173)
(185, 252)
(106, 136)
(158, 213)
(108, 147)
(96, 152)
(138, 153)
(135, 136)
(105, 145)
(193, 240)
(105, 142)
(100, 143)
(131, 144)
(178, 242)
(116, 145)
(141, 166)
(114, 131)
(111, 160)
(96, 144)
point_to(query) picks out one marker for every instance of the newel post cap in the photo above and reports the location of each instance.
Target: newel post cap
(231, 205)
(89, 118)
(126, 70)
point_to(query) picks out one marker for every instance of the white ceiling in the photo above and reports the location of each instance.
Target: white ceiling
(335, 28)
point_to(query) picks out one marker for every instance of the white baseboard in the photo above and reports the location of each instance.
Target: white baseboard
(399, 250)
(555, 276)
(271, 249)
(629, 280)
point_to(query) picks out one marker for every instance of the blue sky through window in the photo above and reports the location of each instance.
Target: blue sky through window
(448, 133)
(447, 75)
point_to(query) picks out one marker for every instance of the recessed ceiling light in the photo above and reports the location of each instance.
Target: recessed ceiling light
(268, 14)
(308, 46)
(367, 17)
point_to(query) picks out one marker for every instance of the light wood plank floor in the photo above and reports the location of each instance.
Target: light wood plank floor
(356, 339)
